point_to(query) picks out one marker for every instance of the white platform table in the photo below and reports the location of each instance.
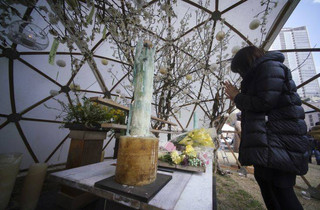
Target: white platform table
(186, 190)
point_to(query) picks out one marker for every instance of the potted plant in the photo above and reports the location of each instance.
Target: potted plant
(88, 115)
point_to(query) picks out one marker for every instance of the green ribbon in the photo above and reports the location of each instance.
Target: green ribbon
(53, 51)
(104, 33)
(89, 17)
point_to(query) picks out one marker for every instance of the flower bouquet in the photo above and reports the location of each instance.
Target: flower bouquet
(189, 151)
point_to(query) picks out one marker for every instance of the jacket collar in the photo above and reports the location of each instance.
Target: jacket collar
(273, 55)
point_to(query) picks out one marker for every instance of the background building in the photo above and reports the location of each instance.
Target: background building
(301, 65)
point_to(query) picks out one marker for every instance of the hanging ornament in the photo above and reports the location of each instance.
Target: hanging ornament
(189, 77)
(213, 67)
(235, 49)
(163, 70)
(27, 34)
(61, 63)
(220, 35)
(53, 51)
(255, 23)
(54, 92)
(74, 87)
(104, 62)
(118, 91)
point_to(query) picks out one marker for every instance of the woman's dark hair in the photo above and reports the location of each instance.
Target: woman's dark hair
(244, 59)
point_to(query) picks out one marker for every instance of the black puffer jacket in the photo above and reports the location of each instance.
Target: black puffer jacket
(272, 119)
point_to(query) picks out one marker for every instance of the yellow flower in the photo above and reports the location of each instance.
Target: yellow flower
(176, 158)
(186, 141)
(198, 137)
(190, 151)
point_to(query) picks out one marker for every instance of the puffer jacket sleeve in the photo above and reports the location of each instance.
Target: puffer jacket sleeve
(269, 79)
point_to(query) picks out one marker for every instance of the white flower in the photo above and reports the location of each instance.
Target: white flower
(185, 91)
(255, 23)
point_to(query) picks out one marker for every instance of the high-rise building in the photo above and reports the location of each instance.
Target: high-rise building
(300, 63)
(302, 67)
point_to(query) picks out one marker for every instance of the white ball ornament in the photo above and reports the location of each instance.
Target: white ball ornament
(74, 87)
(163, 70)
(104, 62)
(61, 63)
(220, 35)
(189, 77)
(54, 92)
(255, 23)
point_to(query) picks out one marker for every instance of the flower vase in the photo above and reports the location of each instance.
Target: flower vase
(137, 160)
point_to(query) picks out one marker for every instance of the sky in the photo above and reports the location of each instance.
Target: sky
(307, 13)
